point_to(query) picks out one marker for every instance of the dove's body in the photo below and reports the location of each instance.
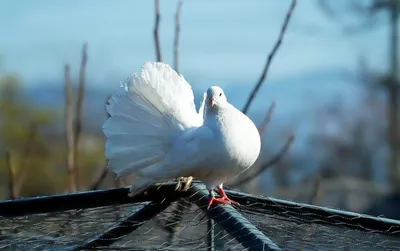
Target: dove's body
(237, 140)
(218, 156)
(155, 133)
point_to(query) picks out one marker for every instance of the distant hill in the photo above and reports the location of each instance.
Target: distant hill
(297, 97)
(294, 95)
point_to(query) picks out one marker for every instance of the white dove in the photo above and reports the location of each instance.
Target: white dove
(155, 134)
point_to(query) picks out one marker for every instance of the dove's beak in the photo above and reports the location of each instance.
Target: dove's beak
(212, 102)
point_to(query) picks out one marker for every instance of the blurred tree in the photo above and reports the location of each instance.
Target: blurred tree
(21, 130)
(37, 151)
(351, 138)
(367, 11)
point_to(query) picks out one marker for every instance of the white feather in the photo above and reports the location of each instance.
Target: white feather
(155, 133)
(201, 108)
(157, 105)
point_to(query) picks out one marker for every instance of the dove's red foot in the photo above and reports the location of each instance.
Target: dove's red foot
(223, 199)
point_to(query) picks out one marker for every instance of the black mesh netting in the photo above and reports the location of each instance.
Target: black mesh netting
(301, 233)
(169, 230)
(185, 226)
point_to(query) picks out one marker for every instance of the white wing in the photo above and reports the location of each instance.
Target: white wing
(187, 157)
(157, 109)
(201, 108)
(170, 88)
(191, 151)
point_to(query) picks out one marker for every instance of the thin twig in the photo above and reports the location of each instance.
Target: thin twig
(267, 118)
(156, 36)
(104, 172)
(325, 7)
(177, 32)
(29, 146)
(270, 163)
(69, 130)
(316, 190)
(313, 200)
(367, 12)
(12, 188)
(100, 179)
(270, 57)
(118, 182)
(171, 224)
(79, 111)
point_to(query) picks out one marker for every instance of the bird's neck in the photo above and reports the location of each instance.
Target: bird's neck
(213, 115)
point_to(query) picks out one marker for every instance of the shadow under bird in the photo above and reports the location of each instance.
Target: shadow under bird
(155, 134)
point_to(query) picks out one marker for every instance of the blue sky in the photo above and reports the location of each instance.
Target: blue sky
(222, 41)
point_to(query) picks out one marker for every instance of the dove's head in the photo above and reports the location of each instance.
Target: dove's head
(215, 97)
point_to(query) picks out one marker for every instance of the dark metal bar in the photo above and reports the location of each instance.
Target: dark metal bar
(219, 239)
(320, 215)
(126, 226)
(234, 223)
(91, 199)
(215, 234)
(82, 200)
(210, 235)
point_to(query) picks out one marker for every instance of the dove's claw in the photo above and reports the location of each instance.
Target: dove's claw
(188, 183)
(223, 199)
(180, 180)
(178, 184)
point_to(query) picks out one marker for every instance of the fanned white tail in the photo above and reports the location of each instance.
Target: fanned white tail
(144, 122)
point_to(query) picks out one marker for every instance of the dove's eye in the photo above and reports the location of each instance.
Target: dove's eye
(220, 94)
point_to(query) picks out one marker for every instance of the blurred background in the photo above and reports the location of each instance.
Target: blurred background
(328, 108)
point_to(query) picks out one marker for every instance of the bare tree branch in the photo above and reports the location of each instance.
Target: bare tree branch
(100, 179)
(13, 193)
(270, 111)
(156, 27)
(325, 7)
(267, 165)
(314, 198)
(104, 172)
(316, 192)
(365, 10)
(274, 160)
(20, 176)
(281, 153)
(378, 5)
(118, 182)
(267, 119)
(355, 7)
(79, 111)
(270, 57)
(171, 224)
(69, 130)
(177, 32)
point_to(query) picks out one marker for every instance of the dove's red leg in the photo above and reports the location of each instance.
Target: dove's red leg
(222, 199)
